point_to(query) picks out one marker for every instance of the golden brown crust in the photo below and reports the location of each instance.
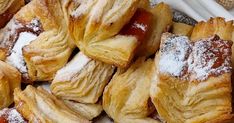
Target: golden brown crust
(89, 111)
(10, 79)
(94, 25)
(213, 26)
(180, 99)
(81, 70)
(126, 97)
(182, 29)
(37, 105)
(51, 48)
(7, 9)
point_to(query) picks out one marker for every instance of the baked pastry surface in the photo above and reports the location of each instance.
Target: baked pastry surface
(95, 25)
(41, 27)
(10, 78)
(162, 20)
(37, 105)
(87, 110)
(7, 9)
(192, 83)
(82, 79)
(126, 98)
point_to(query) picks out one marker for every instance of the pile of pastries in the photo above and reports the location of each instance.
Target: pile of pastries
(135, 61)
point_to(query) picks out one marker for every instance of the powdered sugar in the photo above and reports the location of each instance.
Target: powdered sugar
(12, 115)
(210, 56)
(174, 54)
(194, 61)
(140, 26)
(75, 65)
(16, 57)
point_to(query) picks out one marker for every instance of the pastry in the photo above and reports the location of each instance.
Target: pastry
(182, 29)
(7, 9)
(89, 111)
(126, 98)
(82, 79)
(37, 105)
(95, 27)
(192, 81)
(11, 115)
(9, 80)
(38, 37)
(215, 26)
(162, 20)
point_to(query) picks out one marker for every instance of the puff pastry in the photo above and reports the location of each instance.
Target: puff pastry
(7, 9)
(126, 98)
(162, 20)
(11, 115)
(10, 79)
(182, 29)
(192, 82)
(82, 79)
(37, 105)
(41, 30)
(89, 111)
(95, 24)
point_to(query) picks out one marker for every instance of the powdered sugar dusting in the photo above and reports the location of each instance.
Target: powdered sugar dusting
(75, 65)
(12, 115)
(210, 56)
(16, 57)
(174, 53)
(195, 61)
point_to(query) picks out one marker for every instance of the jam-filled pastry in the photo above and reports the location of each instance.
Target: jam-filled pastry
(214, 26)
(38, 37)
(7, 9)
(11, 115)
(95, 26)
(192, 81)
(89, 111)
(10, 79)
(82, 79)
(37, 105)
(162, 20)
(126, 98)
(182, 29)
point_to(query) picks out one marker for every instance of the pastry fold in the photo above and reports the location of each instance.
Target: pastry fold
(38, 36)
(37, 105)
(89, 111)
(192, 81)
(82, 79)
(7, 9)
(95, 24)
(10, 78)
(126, 98)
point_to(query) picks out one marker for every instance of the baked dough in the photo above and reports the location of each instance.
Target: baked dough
(192, 83)
(126, 98)
(82, 79)
(37, 105)
(182, 29)
(10, 79)
(89, 111)
(11, 115)
(7, 9)
(162, 20)
(42, 27)
(95, 24)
